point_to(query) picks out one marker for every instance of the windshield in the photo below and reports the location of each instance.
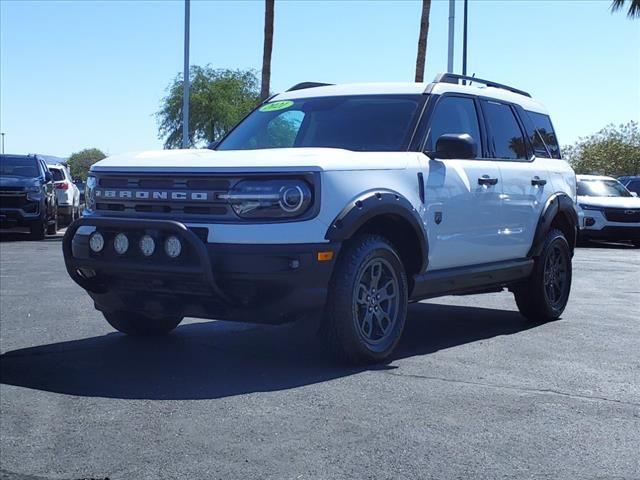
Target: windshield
(602, 188)
(11, 166)
(360, 123)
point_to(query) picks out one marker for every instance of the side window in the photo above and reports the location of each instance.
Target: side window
(454, 115)
(634, 186)
(42, 168)
(543, 133)
(280, 132)
(57, 173)
(507, 137)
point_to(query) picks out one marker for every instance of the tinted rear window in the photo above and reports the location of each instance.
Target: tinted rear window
(544, 135)
(508, 141)
(58, 174)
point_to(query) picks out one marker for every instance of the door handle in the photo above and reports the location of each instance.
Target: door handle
(541, 182)
(487, 180)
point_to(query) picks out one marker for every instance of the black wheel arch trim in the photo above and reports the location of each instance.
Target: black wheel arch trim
(558, 204)
(373, 204)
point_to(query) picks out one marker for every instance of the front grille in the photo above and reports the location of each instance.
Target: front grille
(622, 215)
(194, 197)
(12, 198)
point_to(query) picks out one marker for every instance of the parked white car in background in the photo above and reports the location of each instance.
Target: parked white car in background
(608, 210)
(68, 194)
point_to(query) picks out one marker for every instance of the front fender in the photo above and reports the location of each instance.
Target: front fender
(558, 204)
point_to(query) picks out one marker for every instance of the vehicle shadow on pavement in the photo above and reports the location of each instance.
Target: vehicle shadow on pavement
(220, 359)
(24, 237)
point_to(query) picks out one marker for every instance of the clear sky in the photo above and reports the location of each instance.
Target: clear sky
(78, 74)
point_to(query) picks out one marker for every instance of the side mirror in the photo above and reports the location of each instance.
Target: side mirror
(47, 176)
(213, 145)
(456, 145)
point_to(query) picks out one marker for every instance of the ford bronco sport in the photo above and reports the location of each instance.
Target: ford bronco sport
(349, 201)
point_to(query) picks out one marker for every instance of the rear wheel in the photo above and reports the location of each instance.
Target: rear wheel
(133, 323)
(367, 301)
(545, 295)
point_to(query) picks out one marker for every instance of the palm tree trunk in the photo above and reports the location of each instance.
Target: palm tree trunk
(422, 40)
(268, 47)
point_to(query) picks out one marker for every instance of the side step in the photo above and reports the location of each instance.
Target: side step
(468, 280)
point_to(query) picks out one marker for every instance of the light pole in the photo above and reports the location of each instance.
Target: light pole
(464, 40)
(452, 26)
(185, 79)
(3, 143)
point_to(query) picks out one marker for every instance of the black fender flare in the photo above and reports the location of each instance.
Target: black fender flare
(376, 203)
(558, 204)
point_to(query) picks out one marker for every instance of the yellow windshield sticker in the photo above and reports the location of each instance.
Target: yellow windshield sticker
(272, 107)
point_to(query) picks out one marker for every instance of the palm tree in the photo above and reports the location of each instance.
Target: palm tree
(268, 47)
(634, 7)
(422, 40)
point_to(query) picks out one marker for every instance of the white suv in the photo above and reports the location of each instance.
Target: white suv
(346, 201)
(608, 211)
(67, 193)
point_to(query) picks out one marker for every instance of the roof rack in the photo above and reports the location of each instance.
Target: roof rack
(303, 85)
(455, 78)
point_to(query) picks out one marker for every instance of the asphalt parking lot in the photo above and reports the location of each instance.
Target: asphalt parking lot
(474, 391)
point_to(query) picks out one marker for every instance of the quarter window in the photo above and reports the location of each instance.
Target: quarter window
(544, 135)
(507, 138)
(454, 115)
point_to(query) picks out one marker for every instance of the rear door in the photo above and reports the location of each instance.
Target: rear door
(525, 182)
(462, 196)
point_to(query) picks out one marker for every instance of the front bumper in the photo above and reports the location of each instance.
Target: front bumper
(12, 218)
(596, 226)
(254, 283)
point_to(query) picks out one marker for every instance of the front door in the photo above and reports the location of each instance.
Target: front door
(462, 196)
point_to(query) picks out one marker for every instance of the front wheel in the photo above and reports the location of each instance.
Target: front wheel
(367, 301)
(545, 294)
(137, 324)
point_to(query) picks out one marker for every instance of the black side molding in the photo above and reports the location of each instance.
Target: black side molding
(558, 204)
(469, 280)
(373, 204)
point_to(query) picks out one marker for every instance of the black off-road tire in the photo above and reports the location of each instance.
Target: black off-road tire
(38, 229)
(137, 324)
(545, 295)
(365, 262)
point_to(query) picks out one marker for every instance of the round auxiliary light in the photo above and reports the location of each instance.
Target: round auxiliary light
(96, 242)
(173, 246)
(147, 245)
(121, 244)
(291, 198)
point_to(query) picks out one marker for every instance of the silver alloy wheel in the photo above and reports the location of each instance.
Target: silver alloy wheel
(555, 276)
(375, 301)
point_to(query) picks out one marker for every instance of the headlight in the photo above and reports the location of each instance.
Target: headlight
(269, 198)
(34, 193)
(590, 207)
(90, 193)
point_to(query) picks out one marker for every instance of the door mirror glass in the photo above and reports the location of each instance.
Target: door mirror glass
(456, 145)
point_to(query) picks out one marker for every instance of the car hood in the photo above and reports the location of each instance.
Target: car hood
(610, 202)
(276, 159)
(10, 181)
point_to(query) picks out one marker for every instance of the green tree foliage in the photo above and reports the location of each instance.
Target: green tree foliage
(80, 162)
(219, 99)
(634, 7)
(614, 150)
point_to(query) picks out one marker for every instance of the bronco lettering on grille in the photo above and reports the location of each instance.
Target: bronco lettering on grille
(155, 195)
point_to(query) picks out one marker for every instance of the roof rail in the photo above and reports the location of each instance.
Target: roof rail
(455, 78)
(303, 85)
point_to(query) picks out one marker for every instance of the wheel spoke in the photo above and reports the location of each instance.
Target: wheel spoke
(376, 274)
(362, 297)
(367, 324)
(384, 292)
(383, 316)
